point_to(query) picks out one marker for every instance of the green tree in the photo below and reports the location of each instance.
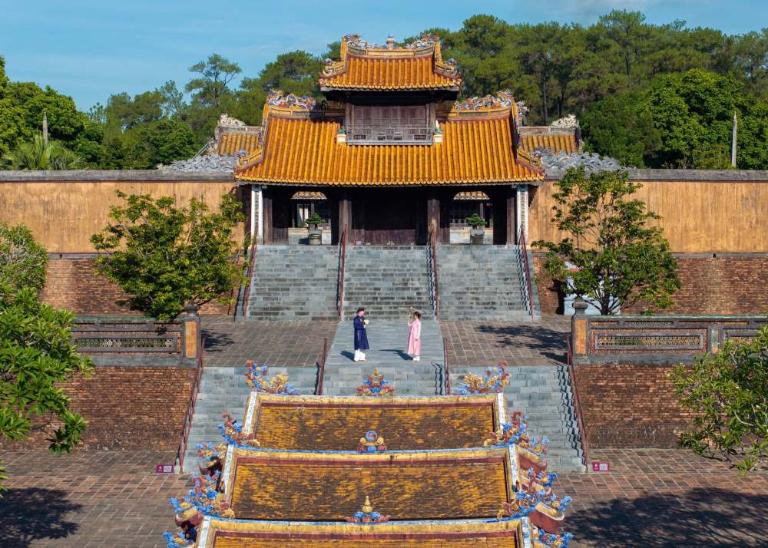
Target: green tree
(216, 73)
(158, 142)
(165, 256)
(23, 261)
(619, 260)
(727, 394)
(37, 353)
(692, 113)
(293, 72)
(40, 154)
(621, 126)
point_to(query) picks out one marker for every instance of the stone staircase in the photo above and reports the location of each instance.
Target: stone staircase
(224, 389)
(480, 282)
(294, 282)
(388, 341)
(386, 280)
(543, 394)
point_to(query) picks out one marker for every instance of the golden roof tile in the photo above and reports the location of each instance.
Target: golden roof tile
(476, 148)
(532, 138)
(291, 485)
(219, 533)
(325, 423)
(366, 67)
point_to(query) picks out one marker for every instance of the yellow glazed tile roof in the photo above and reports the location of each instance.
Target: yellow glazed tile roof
(289, 485)
(231, 143)
(323, 423)
(218, 533)
(394, 73)
(367, 67)
(305, 151)
(556, 142)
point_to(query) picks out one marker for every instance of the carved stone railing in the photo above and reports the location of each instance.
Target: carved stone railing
(655, 339)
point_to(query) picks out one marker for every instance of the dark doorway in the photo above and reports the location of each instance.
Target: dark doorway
(389, 217)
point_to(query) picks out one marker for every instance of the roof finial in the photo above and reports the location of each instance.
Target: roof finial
(390, 42)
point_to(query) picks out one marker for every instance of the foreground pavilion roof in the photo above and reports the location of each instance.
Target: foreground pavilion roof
(218, 533)
(335, 423)
(265, 484)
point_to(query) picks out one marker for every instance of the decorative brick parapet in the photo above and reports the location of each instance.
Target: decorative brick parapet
(654, 339)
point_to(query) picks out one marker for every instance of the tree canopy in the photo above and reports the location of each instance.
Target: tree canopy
(36, 349)
(609, 255)
(167, 256)
(727, 395)
(649, 95)
(23, 260)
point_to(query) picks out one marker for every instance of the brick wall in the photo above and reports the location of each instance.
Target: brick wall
(730, 284)
(74, 284)
(629, 405)
(128, 408)
(724, 284)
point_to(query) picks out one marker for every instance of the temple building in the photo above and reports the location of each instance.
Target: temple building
(391, 153)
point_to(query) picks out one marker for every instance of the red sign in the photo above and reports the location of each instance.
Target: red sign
(164, 469)
(600, 466)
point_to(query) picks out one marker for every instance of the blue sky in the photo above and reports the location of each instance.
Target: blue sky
(90, 49)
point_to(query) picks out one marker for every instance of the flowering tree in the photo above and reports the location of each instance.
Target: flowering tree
(727, 393)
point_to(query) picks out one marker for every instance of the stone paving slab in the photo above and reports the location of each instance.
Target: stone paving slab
(229, 343)
(520, 343)
(666, 497)
(651, 497)
(87, 499)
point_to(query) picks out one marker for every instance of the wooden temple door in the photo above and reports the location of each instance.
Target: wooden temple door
(392, 216)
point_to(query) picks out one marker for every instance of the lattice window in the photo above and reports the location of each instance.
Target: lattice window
(128, 344)
(390, 124)
(648, 343)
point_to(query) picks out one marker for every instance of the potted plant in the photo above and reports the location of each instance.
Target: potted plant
(477, 228)
(313, 226)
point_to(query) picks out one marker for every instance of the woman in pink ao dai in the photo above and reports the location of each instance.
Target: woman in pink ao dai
(414, 336)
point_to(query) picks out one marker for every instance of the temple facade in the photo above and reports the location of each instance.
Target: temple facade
(390, 155)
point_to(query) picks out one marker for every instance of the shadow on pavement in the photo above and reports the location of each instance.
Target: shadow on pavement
(33, 514)
(699, 517)
(548, 342)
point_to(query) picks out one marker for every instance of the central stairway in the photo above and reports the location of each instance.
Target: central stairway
(389, 340)
(387, 281)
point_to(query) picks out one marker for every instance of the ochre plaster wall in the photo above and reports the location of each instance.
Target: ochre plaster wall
(697, 217)
(64, 214)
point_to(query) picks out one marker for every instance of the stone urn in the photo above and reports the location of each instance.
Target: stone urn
(315, 235)
(476, 235)
(477, 229)
(315, 232)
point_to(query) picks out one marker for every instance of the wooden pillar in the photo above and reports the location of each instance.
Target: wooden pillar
(433, 214)
(511, 215)
(266, 201)
(446, 197)
(345, 215)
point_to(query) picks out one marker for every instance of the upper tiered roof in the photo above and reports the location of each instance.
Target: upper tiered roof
(416, 66)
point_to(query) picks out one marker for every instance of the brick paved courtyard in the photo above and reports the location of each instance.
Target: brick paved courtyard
(523, 343)
(650, 498)
(275, 343)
